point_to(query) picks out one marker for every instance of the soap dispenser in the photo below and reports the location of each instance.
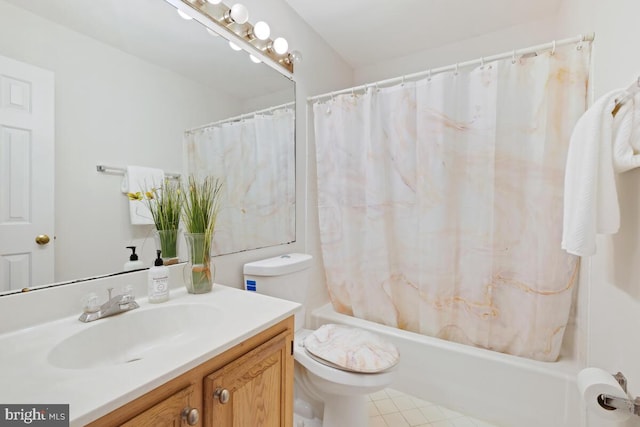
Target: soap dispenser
(133, 263)
(158, 282)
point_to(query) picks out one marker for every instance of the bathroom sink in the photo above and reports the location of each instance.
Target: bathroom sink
(134, 336)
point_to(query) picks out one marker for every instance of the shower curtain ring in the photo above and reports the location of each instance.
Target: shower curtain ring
(482, 62)
(456, 72)
(513, 57)
(582, 38)
(429, 75)
(553, 48)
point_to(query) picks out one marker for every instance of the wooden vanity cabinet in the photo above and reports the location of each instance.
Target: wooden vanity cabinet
(166, 413)
(249, 385)
(247, 392)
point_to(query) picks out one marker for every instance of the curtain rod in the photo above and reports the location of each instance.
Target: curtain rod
(480, 61)
(241, 116)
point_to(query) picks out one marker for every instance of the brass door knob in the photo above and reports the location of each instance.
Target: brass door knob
(222, 394)
(42, 239)
(191, 415)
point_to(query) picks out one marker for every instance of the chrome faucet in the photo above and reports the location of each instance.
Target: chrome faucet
(114, 305)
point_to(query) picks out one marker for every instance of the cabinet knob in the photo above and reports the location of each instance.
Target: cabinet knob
(222, 394)
(191, 415)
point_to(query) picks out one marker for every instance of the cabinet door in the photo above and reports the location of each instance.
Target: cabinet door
(167, 413)
(255, 390)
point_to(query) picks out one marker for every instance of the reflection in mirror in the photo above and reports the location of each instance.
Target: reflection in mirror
(254, 153)
(125, 81)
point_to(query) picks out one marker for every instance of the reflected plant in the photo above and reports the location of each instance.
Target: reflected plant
(165, 204)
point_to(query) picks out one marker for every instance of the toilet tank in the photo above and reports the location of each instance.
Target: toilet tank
(284, 276)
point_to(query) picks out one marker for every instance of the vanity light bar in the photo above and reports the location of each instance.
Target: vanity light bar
(217, 18)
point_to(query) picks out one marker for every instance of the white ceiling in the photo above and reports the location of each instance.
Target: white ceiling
(364, 32)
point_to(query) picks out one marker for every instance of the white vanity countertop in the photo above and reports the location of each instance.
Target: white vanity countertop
(28, 376)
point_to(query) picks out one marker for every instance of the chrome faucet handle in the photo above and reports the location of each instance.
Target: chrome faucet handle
(127, 290)
(90, 303)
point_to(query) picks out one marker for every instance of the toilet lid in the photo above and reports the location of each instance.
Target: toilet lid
(351, 349)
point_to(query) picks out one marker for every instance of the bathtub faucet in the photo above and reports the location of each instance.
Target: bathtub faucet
(114, 305)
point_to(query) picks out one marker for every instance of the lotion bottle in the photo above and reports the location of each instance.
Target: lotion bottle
(133, 263)
(158, 282)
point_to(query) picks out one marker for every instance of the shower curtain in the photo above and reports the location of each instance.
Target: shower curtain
(440, 202)
(255, 158)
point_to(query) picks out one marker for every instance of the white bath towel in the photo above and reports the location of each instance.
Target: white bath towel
(136, 180)
(600, 146)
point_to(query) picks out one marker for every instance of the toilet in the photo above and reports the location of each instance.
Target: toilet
(336, 366)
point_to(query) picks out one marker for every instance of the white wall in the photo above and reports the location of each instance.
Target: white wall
(505, 40)
(610, 282)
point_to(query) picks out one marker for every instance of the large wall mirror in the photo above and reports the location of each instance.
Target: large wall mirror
(130, 83)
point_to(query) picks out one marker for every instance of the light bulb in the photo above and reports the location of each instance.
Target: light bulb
(261, 30)
(234, 46)
(214, 1)
(280, 45)
(239, 13)
(254, 59)
(184, 15)
(213, 33)
(295, 56)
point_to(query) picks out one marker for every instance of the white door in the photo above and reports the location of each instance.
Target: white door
(26, 175)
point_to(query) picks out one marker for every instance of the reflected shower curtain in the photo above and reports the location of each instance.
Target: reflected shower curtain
(440, 202)
(255, 159)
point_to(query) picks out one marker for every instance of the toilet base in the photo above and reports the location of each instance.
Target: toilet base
(341, 411)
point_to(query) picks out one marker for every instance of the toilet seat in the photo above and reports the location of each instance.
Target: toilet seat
(321, 369)
(351, 349)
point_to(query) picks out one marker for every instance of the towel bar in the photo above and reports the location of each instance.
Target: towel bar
(104, 168)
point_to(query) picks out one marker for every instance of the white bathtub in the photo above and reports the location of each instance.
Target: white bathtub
(505, 390)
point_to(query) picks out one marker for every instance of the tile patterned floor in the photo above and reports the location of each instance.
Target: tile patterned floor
(391, 408)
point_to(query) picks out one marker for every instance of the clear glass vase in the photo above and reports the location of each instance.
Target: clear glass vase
(200, 271)
(167, 242)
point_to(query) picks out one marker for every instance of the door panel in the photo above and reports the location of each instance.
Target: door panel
(26, 174)
(255, 384)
